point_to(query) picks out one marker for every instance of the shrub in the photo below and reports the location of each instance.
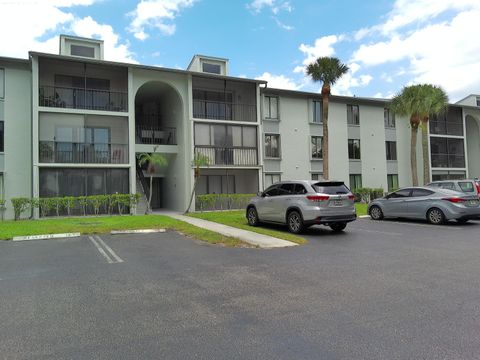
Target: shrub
(366, 195)
(83, 202)
(20, 205)
(222, 201)
(67, 203)
(2, 208)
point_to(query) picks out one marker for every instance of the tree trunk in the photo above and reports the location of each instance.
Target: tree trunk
(193, 193)
(413, 154)
(426, 162)
(325, 98)
(150, 195)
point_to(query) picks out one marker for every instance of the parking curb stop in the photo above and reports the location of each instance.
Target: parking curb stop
(45, 236)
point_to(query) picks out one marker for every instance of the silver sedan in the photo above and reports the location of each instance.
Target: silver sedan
(434, 205)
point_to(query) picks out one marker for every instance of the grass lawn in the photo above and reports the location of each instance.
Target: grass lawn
(361, 209)
(104, 224)
(236, 218)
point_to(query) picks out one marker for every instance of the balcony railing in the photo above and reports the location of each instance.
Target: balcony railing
(215, 110)
(147, 134)
(79, 98)
(229, 156)
(82, 153)
(448, 161)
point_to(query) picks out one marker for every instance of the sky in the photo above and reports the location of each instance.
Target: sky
(386, 44)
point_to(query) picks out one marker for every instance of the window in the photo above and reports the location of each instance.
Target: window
(392, 181)
(438, 175)
(353, 115)
(2, 136)
(85, 51)
(388, 118)
(467, 186)
(2, 194)
(211, 68)
(400, 193)
(316, 147)
(421, 192)
(330, 187)
(271, 179)
(225, 135)
(216, 184)
(300, 189)
(478, 100)
(447, 152)
(273, 191)
(270, 107)
(317, 176)
(354, 149)
(287, 189)
(355, 181)
(317, 112)
(272, 146)
(391, 147)
(447, 123)
(2, 83)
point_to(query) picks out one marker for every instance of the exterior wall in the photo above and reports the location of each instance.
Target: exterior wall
(177, 181)
(17, 112)
(472, 126)
(470, 100)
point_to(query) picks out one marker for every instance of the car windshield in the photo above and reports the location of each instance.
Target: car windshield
(330, 188)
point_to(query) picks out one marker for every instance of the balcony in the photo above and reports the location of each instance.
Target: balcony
(82, 153)
(81, 98)
(219, 110)
(155, 135)
(229, 156)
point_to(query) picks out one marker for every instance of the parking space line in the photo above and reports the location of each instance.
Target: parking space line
(105, 250)
(442, 227)
(380, 232)
(109, 249)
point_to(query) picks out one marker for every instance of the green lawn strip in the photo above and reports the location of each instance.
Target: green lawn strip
(361, 209)
(104, 224)
(236, 218)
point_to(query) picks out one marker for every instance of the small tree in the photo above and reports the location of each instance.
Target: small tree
(153, 161)
(198, 161)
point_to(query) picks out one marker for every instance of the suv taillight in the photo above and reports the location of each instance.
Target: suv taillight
(318, 197)
(455, 199)
(351, 197)
(477, 185)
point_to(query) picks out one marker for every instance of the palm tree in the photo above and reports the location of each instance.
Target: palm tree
(153, 160)
(418, 102)
(435, 102)
(198, 161)
(327, 70)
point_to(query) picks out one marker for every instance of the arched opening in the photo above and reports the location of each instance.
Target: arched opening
(158, 121)
(472, 125)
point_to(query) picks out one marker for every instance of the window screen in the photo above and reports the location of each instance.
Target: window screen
(211, 68)
(85, 51)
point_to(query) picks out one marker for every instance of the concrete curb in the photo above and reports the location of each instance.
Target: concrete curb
(45, 236)
(253, 238)
(139, 231)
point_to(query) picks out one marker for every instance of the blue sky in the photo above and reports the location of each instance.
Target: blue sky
(387, 44)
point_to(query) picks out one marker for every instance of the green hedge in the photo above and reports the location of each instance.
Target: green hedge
(88, 205)
(222, 201)
(366, 195)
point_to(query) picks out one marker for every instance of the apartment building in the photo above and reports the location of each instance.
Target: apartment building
(73, 124)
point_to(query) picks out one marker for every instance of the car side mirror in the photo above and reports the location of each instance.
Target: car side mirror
(260, 194)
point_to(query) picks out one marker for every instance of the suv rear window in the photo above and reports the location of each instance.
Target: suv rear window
(331, 188)
(466, 186)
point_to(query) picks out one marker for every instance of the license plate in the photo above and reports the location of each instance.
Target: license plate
(337, 203)
(473, 203)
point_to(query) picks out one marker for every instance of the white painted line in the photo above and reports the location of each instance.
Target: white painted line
(364, 216)
(140, 231)
(100, 250)
(109, 249)
(380, 232)
(438, 227)
(45, 236)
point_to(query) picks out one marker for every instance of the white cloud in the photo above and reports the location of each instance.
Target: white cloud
(279, 81)
(348, 81)
(42, 18)
(323, 46)
(158, 14)
(275, 6)
(282, 25)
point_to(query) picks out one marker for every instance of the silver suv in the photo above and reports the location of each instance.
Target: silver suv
(300, 204)
(470, 187)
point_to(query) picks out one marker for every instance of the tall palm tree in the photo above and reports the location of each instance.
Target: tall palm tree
(327, 70)
(418, 102)
(198, 161)
(435, 102)
(153, 161)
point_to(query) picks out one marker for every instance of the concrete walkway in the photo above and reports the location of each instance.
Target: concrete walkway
(260, 240)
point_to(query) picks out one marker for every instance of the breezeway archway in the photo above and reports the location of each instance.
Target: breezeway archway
(472, 125)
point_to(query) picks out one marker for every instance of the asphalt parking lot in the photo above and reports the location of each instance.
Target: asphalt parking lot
(381, 290)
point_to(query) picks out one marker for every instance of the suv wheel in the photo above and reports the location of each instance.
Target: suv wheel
(252, 216)
(376, 213)
(337, 227)
(435, 216)
(295, 222)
